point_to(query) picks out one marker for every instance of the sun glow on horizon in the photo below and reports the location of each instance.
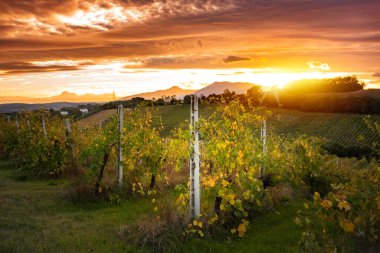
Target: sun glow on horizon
(115, 76)
(281, 79)
(126, 78)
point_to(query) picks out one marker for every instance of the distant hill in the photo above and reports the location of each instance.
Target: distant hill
(219, 87)
(175, 90)
(63, 97)
(17, 107)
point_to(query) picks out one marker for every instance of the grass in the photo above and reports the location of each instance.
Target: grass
(36, 217)
(274, 232)
(173, 115)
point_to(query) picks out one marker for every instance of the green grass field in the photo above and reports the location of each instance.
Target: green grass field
(36, 217)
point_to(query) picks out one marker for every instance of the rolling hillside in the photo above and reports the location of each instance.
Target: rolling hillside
(342, 129)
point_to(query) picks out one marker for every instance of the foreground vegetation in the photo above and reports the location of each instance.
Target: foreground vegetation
(244, 180)
(36, 216)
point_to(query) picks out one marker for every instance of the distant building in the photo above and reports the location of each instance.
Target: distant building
(64, 113)
(83, 110)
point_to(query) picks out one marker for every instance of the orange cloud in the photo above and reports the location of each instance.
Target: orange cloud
(184, 34)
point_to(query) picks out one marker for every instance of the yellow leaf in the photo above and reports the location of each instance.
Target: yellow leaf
(200, 224)
(246, 195)
(213, 219)
(242, 229)
(316, 196)
(195, 222)
(224, 183)
(233, 231)
(347, 225)
(344, 205)
(326, 204)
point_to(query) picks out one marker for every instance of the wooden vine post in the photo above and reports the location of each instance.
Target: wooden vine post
(119, 171)
(195, 201)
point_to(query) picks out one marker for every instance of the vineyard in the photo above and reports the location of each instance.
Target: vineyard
(343, 129)
(339, 128)
(121, 180)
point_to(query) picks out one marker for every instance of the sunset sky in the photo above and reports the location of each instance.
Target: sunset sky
(131, 46)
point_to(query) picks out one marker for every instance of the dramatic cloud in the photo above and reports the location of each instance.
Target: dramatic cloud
(233, 58)
(30, 67)
(376, 74)
(121, 36)
(72, 16)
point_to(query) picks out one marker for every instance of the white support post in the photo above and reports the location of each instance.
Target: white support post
(264, 135)
(44, 126)
(17, 125)
(68, 128)
(119, 171)
(28, 124)
(9, 119)
(195, 199)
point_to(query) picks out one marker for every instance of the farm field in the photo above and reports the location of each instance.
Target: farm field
(123, 187)
(98, 117)
(339, 128)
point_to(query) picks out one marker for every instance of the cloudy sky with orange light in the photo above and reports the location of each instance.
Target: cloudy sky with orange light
(131, 46)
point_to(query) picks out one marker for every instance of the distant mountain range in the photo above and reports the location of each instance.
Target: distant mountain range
(68, 99)
(63, 97)
(214, 88)
(175, 90)
(220, 87)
